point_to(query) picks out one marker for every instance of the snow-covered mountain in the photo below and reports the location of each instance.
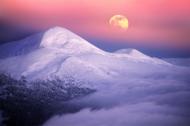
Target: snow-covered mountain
(128, 84)
(43, 55)
(59, 52)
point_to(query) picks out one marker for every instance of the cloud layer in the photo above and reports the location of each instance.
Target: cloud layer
(128, 115)
(157, 100)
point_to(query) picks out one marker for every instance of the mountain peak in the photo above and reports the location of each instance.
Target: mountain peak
(131, 52)
(57, 37)
(61, 38)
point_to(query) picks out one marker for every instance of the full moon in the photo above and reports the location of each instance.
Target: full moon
(119, 21)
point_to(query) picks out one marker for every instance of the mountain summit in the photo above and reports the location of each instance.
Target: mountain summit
(132, 52)
(62, 38)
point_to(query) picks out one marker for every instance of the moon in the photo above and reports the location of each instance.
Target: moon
(119, 21)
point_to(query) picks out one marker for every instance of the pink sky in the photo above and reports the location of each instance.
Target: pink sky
(165, 22)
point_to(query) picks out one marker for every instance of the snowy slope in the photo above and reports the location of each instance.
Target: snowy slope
(178, 61)
(59, 52)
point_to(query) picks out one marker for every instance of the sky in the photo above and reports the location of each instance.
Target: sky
(156, 27)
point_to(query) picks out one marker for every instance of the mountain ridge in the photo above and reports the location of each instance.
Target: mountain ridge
(59, 52)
